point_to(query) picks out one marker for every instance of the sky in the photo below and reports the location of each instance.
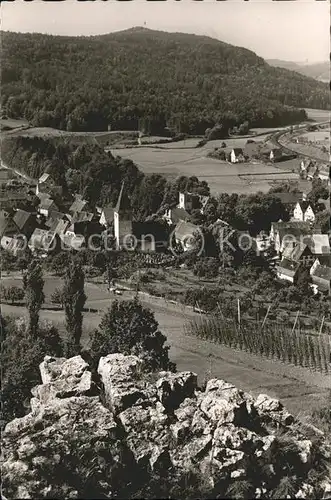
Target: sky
(293, 31)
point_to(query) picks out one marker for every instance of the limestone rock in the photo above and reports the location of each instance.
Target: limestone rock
(173, 388)
(272, 410)
(121, 378)
(63, 378)
(76, 444)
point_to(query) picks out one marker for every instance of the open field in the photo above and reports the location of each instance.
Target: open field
(318, 115)
(12, 123)
(221, 176)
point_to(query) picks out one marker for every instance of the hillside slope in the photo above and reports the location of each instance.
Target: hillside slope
(141, 77)
(318, 71)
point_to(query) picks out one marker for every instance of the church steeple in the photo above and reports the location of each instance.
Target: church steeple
(123, 205)
(122, 219)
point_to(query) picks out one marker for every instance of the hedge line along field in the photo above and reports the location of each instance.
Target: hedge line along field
(273, 342)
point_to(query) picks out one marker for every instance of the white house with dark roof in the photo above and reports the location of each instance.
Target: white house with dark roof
(321, 276)
(287, 270)
(237, 155)
(46, 206)
(107, 216)
(303, 211)
(174, 215)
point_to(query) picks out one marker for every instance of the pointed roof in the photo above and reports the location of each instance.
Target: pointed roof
(123, 202)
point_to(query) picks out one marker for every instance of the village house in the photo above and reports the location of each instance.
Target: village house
(78, 205)
(26, 222)
(303, 211)
(54, 217)
(45, 184)
(13, 245)
(174, 215)
(287, 270)
(299, 252)
(237, 155)
(192, 201)
(324, 173)
(321, 276)
(7, 225)
(271, 154)
(107, 216)
(283, 234)
(46, 206)
(44, 242)
(184, 234)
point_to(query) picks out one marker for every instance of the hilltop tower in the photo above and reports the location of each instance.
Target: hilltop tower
(122, 220)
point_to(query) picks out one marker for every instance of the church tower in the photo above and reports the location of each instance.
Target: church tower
(123, 220)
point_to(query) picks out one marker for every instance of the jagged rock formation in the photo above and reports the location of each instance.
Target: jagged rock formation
(119, 435)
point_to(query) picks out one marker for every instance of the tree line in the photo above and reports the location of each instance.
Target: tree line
(153, 81)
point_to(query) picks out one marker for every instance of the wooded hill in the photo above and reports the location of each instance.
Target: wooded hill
(148, 79)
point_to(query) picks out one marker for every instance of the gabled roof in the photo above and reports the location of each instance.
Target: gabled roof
(82, 217)
(7, 224)
(304, 204)
(288, 267)
(78, 205)
(184, 230)
(319, 244)
(324, 260)
(43, 196)
(237, 151)
(47, 203)
(177, 214)
(43, 178)
(108, 213)
(322, 272)
(21, 218)
(12, 245)
(294, 253)
(42, 239)
(59, 226)
(54, 217)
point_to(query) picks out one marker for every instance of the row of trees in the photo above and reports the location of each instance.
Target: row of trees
(274, 342)
(87, 169)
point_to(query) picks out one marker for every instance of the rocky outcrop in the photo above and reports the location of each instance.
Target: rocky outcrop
(77, 442)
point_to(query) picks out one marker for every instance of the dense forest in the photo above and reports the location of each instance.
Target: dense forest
(153, 80)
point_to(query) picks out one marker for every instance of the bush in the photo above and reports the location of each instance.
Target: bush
(20, 359)
(206, 268)
(12, 294)
(130, 328)
(57, 297)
